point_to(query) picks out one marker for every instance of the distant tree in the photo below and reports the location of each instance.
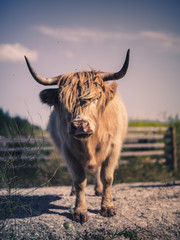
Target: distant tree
(173, 119)
(16, 126)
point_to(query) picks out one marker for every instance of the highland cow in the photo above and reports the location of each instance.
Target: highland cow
(88, 126)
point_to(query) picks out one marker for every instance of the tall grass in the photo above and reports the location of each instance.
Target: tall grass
(19, 170)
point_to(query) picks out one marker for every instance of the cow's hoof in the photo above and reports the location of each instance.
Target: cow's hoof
(98, 193)
(81, 218)
(108, 212)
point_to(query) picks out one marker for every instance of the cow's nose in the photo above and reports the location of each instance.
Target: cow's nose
(74, 126)
(80, 127)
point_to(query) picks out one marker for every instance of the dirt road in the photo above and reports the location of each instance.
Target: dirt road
(144, 211)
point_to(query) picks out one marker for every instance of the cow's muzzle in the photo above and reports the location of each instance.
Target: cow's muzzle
(81, 129)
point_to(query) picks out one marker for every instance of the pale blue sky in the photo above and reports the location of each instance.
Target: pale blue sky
(65, 36)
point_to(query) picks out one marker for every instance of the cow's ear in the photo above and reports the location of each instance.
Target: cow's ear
(49, 96)
(110, 91)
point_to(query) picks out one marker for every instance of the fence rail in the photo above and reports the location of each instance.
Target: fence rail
(155, 142)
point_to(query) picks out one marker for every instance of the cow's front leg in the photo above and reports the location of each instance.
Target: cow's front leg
(107, 171)
(79, 183)
(80, 213)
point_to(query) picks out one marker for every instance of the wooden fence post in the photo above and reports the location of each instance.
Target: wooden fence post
(171, 153)
(174, 148)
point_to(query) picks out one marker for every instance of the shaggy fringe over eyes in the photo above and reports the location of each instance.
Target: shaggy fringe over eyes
(76, 88)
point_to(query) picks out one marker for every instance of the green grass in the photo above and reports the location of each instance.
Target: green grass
(143, 170)
(147, 123)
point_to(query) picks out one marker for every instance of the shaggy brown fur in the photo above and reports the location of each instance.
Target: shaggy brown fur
(79, 89)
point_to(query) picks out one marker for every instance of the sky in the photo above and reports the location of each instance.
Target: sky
(66, 36)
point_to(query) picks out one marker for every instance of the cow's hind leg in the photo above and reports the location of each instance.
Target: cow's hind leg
(73, 190)
(98, 184)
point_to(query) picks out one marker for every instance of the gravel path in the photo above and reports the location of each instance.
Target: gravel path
(144, 211)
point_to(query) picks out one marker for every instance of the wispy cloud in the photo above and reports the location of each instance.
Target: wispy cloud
(78, 35)
(15, 53)
(164, 41)
(167, 41)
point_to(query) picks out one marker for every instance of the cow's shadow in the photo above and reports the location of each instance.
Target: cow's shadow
(18, 206)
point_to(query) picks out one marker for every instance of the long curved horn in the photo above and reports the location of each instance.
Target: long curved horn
(117, 75)
(40, 79)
